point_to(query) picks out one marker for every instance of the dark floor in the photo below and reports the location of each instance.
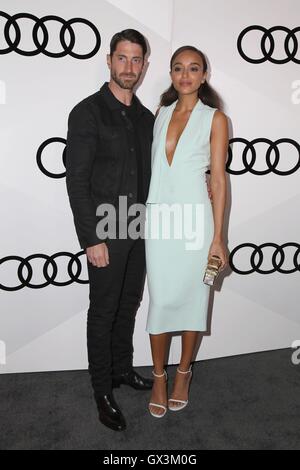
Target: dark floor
(241, 402)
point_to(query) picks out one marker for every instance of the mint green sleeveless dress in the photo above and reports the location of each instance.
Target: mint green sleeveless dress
(176, 261)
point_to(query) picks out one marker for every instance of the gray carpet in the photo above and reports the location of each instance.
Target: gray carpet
(241, 402)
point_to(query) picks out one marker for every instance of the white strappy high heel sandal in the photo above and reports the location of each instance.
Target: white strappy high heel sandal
(183, 402)
(157, 404)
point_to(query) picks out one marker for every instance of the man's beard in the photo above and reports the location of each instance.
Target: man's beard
(123, 83)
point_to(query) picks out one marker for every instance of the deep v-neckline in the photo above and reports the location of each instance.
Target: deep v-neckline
(182, 133)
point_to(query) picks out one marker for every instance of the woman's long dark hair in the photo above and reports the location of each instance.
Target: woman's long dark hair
(205, 92)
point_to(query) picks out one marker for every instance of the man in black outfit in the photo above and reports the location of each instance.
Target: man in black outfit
(109, 155)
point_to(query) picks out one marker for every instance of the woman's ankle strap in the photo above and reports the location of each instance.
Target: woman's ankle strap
(184, 371)
(164, 374)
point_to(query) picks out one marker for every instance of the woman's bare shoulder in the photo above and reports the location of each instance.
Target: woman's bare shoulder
(219, 119)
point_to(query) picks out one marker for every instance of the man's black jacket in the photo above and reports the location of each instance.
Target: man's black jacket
(97, 150)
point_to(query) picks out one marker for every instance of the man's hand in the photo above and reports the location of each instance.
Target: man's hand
(98, 255)
(208, 188)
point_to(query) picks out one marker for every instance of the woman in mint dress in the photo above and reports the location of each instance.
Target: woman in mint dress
(182, 226)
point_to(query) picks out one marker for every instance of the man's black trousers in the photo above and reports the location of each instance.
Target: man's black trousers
(115, 295)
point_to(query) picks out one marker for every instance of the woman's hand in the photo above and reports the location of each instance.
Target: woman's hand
(218, 248)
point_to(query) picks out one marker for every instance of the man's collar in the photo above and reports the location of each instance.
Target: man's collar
(114, 104)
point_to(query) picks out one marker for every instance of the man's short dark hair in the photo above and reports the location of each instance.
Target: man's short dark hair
(131, 35)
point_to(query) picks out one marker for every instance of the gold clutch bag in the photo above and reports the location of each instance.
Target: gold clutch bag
(212, 270)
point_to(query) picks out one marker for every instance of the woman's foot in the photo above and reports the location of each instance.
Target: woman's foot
(180, 392)
(158, 400)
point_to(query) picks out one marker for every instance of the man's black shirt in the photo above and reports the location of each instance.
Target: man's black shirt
(108, 154)
(134, 169)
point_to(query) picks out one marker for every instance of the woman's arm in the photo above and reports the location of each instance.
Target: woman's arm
(218, 149)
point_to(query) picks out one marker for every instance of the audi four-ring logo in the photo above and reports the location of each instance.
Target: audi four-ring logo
(273, 150)
(290, 44)
(248, 157)
(39, 157)
(257, 257)
(25, 275)
(12, 35)
(25, 270)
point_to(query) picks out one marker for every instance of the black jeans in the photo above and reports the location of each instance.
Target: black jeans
(115, 295)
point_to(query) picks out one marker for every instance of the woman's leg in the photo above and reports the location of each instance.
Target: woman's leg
(159, 345)
(181, 382)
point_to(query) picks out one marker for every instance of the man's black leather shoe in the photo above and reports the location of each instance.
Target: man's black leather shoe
(109, 413)
(133, 379)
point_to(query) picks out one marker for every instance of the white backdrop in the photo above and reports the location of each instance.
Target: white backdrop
(45, 328)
